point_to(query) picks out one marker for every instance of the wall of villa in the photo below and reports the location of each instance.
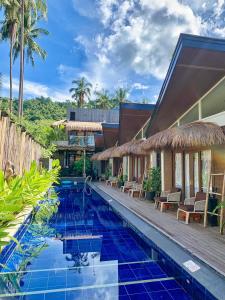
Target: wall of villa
(16, 146)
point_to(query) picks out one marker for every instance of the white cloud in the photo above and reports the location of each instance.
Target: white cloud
(34, 89)
(139, 86)
(86, 8)
(140, 35)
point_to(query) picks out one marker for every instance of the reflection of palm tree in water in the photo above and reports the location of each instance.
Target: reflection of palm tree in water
(80, 260)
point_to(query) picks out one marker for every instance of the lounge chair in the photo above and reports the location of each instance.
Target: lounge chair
(102, 178)
(136, 190)
(194, 206)
(167, 199)
(128, 185)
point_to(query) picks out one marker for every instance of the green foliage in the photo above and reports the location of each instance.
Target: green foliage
(153, 182)
(22, 192)
(80, 91)
(108, 172)
(78, 166)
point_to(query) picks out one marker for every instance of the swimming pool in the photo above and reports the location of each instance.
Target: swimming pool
(87, 251)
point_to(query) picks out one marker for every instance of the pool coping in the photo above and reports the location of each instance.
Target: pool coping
(207, 276)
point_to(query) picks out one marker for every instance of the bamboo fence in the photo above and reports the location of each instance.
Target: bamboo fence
(16, 146)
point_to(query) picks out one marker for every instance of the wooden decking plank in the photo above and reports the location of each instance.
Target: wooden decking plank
(206, 243)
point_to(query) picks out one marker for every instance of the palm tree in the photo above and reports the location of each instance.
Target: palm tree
(121, 94)
(9, 32)
(32, 9)
(81, 91)
(103, 100)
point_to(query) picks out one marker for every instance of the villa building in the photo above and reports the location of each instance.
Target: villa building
(84, 131)
(184, 135)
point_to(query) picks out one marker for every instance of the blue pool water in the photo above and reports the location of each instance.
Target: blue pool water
(86, 251)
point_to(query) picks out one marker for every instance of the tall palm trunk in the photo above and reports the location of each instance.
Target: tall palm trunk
(10, 75)
(21, 61)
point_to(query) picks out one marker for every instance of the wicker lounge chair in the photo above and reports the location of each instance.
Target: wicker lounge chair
(128, 185)
(194, 206)
(167, 199)
(111, 178)
(136, 190)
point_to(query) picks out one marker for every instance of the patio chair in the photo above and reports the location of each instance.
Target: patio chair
(102, 178)
(168, 199)
(194, 206)
(136, 190)
(114, 182)
(127, 186)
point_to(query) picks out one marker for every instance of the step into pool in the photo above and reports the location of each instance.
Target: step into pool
(87, 251)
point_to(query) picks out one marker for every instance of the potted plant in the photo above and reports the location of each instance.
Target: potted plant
(152, 184)
(121, 180)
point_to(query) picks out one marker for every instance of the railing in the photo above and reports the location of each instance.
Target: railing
(82, 140)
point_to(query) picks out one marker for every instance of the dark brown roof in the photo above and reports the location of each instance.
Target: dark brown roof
(132, 117)
(197, 65)
(110, 133)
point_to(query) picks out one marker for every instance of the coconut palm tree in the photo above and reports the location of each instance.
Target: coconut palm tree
(9, 32)
(103, 100)
(35, 9)
(81, 91)
(121, 95)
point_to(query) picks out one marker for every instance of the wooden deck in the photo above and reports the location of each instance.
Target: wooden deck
(205, 243)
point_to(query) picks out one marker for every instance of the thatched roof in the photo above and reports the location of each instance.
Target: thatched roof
(193, 135)
(83, 126)
(58, 123)
(95, 156)
(131, 147)
(105, 155)
(79, 125)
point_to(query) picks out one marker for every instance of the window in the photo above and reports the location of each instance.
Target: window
(214, 102)
(190, 116)
(72, 116)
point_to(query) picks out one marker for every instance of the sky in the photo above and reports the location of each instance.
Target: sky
(113, 43)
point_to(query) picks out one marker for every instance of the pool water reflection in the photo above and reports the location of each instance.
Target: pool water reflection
(86, 251)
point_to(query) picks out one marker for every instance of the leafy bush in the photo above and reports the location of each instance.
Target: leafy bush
(153, 182)
(21, 192)
(78, 166)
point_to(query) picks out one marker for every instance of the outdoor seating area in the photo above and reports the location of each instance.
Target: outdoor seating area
(205, 243)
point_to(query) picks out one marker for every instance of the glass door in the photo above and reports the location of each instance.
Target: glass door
(178, 170)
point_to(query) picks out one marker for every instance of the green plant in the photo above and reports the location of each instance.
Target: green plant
(78, 166)
(153, 182)
(108, 172)
(20, 192)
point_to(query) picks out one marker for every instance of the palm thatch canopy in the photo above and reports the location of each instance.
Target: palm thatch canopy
(79, 125)
(105, 155)
(131, 147)
(193, 135)
(95, 156)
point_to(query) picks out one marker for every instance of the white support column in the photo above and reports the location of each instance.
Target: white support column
(162, 171)
(153, 159)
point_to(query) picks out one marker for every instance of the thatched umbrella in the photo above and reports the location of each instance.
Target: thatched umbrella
(105, 155)
(193, 135)
(95, 156)
(137, 149)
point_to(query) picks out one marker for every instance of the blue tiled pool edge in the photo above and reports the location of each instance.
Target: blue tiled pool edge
(206, 276)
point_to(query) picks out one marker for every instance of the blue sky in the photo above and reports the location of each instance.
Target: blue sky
(113, 43)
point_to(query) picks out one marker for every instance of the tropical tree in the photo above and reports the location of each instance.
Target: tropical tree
(9, 32)
(120, 95)
(31, 47)
(36, 9)
(80, 91)
(103, 99)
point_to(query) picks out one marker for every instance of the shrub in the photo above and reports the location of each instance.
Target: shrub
(78, 167)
